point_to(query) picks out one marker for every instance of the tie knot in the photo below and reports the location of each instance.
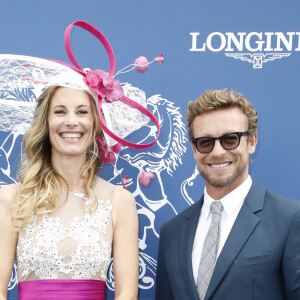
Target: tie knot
(216, 207)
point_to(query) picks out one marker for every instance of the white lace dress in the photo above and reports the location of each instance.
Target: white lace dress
(69, 243)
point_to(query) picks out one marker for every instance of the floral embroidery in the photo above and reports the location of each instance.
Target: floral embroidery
(44, 248)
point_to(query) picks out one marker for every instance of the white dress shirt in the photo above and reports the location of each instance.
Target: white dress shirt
(232, 204)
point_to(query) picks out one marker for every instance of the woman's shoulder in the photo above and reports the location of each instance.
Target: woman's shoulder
(117, 194)
(103, 188)
(8, 195)
(123, 203)
(101, 183)
(122, 200)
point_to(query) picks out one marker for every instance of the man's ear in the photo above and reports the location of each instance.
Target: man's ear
(252, 143)
(193, 147)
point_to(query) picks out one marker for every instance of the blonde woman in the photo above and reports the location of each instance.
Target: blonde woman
(61, 221)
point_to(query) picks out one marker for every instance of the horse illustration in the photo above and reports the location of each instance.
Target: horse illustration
(15, 117)
(161, 159)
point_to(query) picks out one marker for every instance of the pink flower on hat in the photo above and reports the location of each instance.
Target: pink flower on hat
(117, 148)
(159, 58)
(145, 178)
(107, 153)
(141, 64)
(98, 81)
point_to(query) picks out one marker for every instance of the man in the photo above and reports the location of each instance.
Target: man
(240, 241)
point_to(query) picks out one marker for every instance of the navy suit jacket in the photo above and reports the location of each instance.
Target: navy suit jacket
(260, 259)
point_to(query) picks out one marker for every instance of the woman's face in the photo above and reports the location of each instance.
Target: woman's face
(70, 122)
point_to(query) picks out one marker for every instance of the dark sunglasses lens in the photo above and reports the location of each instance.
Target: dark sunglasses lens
(205, 145)
(230, 141)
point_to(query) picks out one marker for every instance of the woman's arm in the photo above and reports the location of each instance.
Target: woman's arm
(8, 237)
(125, 245)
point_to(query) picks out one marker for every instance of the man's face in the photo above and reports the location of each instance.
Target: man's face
(223, 170)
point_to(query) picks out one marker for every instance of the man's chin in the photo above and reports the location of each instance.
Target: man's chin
(221, 182)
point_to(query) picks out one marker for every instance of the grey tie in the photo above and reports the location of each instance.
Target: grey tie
(210, 250)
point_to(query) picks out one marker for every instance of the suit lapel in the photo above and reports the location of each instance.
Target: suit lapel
(186, 246)
(243, 227)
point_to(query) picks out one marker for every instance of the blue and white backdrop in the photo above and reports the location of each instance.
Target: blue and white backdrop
(250, 47)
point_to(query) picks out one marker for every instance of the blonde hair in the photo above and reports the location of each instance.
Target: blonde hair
(221, 99)
(39, 181)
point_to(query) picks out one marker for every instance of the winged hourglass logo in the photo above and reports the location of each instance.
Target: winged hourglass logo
(257, 59)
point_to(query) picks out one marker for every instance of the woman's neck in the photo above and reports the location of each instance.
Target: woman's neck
(69, 168)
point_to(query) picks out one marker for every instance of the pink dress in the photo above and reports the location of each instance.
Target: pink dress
(67, 254)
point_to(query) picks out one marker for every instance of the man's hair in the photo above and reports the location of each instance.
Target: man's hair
(221, 99)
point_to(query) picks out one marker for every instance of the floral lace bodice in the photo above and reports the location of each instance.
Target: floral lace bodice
(69, 243)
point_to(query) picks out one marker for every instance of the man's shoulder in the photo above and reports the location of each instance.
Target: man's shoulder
(275, 200)
(286, 202)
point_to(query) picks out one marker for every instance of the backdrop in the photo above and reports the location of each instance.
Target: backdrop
(252, 47)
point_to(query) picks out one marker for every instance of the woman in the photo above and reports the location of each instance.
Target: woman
(62, 219)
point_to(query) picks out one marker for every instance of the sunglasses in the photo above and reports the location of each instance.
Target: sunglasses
(228, 141)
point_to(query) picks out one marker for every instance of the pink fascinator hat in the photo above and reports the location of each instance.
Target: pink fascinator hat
(118, 114)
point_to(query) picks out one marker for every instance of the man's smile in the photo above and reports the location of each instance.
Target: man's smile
(219, 165)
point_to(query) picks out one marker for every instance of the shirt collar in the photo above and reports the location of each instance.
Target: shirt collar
(231, 201)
